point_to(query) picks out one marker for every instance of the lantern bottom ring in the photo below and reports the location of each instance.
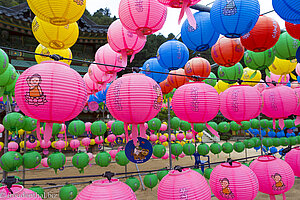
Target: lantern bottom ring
(233, 35)
(202, 47)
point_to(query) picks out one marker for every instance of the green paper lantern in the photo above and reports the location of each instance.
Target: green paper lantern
(189, 149)
(10, 88)
(264, 123)
(249, 143)
(254, 123)
(199, 171)
(185, 126)
(233, 73)
(150, 180)
(29, 124)
(268, 142)
(154, 124)
(175, 122)
(80, 161)
(4, 61)
(76, 127)
(13, 76)
(31, 159)
(11, 161)
(259, 60)
(234, 126)
(8, 76)
(276, 142)
(199, 127)
(98, 128)
(207, 173)
(103, 159)
(159, 150)
(246, 164)
(245, 125)
(56, 161)
(68, 192)
(39, 190)
(284, 141)
(223, 127)
(289, 123)
(298, 139)
(214, 125)
(286, 47)
(213, 81)
(227, 147)
(55, 128)
(176, 149)
(118, 128)
(203, 149)
(270, 124)
(292, 141)
(133, 183)
(257, 142)
(13, 121)
(215, 148)
(161, 174)
(239, 146)
(121, 158)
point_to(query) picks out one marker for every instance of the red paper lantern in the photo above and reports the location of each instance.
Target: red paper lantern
(293, 159)
(227, 52)
(198, 67)
(177, 81)
(293, 30)
(166, 88)
(263, 36)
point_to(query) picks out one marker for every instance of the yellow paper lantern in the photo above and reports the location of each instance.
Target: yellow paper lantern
(65, 53)
(55, 37)
(58, 12)
(182, 143)
(37, 143)
(53, 144)
(193, 141)
(247, 77)
(167, 135)
(165, 123)
(166, 144)
(21, 144)
(10, 133)
(199, 139)
(221, 86)
(148, 137)
(106, 141)
(2, 144)
(92, 142)
(21, 132)
(283, 67)
(200, 134)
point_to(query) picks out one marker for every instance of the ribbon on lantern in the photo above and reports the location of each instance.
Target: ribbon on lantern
(191, 19)
(297, 121)
(272, 197)
(134, 132)
(193, 131)
(213, 131)
(143, 131)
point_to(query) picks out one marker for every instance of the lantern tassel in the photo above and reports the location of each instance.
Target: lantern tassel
(272, 197)
(38, 130)
(293, 76)
(283, 196)
(143, 131)
(281, 124)
(274, 124)
(297, 121)
(126, 131)
(213, 131)
(124, 58)
(132, 57)
(48, 132)
(134, 132)
(140, 35)
(193, 131)
(191, 18)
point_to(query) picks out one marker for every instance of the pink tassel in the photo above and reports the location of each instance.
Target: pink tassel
(126, 131)
(297, 121)
(66, 139)
(132, 57)
(134, 132)
(281, 124)
(183, 10)
(140, 35)
(239, 123)
(274, 124)
(283, 196)
(191, 18)
(272, 197)
(213, 131)
(124, 58)
(38, 130)
(193, 131)
(143, 131)
(48, 132)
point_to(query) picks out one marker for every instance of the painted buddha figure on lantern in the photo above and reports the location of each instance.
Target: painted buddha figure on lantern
(35, 96)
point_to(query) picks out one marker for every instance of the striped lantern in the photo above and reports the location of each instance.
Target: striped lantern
(293, 159)
(177, 81)
(297, 111)
(196, 103)
(91, 86)
(240, 103)
(183, 185)
(105, 189)
(142, 17)
(166, 88)
(233, 181)
(198, 67)
(288, 10)
(293, 30)
(18, 193)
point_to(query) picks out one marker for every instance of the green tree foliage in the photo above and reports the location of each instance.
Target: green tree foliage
(11, 3)
(101, 16)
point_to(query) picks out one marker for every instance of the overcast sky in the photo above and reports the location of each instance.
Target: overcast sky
(171, 25)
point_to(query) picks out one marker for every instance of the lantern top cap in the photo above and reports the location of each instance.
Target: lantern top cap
(133, 74)
(176, 172)
(234, 164)
(297, 148)
(53, 61)
(105, 182)
(266, 158)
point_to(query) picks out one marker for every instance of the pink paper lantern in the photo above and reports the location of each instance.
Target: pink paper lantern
(234, 181)
(13, 146)
(105, 55)
(19, 193)
(153, 138)
(260, 86)
(279, 103)
(240, 103)
(60, 145)
(173, 138)
(1, 128)
(111, 138)
(50, 92)
(31, 145)
(44, 162)
(281, 80)
(184, 5)
(173, 156)
(274, 175)
(166, 156)
(163, 127)
(91, 156)
(44, 144)
(0, 149)
(122, 135)
(100, 77)
(196, 103)
(182, 155)
(74, 144)
(91, 86)
(295, 84)
(298, 69)
(109, 124)
(86, 142)
(142, 18)
(297, 110)
(113, 153)
(293, 159)
(163, 138)
(154, 157)
(105, 189)
(146, 125)
(123, 41)
(180, 136)
(98, 140)
(189, 136)
(134, 99)
(187, 184)
(88, 126)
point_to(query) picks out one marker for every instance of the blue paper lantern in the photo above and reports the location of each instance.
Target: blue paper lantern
(289, 10)
(271, 134)
(234, 18)
(94, 98)
(298, 55)
(280, 134)
(201, 38)
(273, 150)
(288, 135)
(102, 94)
(263, 133)
(298, 79)
(172, 55)
(293, 134)
(153, 65)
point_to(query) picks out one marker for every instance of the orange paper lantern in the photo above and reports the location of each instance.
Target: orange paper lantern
(177, 81)
(166, 88)
(198, 67)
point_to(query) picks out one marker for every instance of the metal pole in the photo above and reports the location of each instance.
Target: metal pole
(261, 145)
(169, 132)
(137, 168)
(24, 152)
